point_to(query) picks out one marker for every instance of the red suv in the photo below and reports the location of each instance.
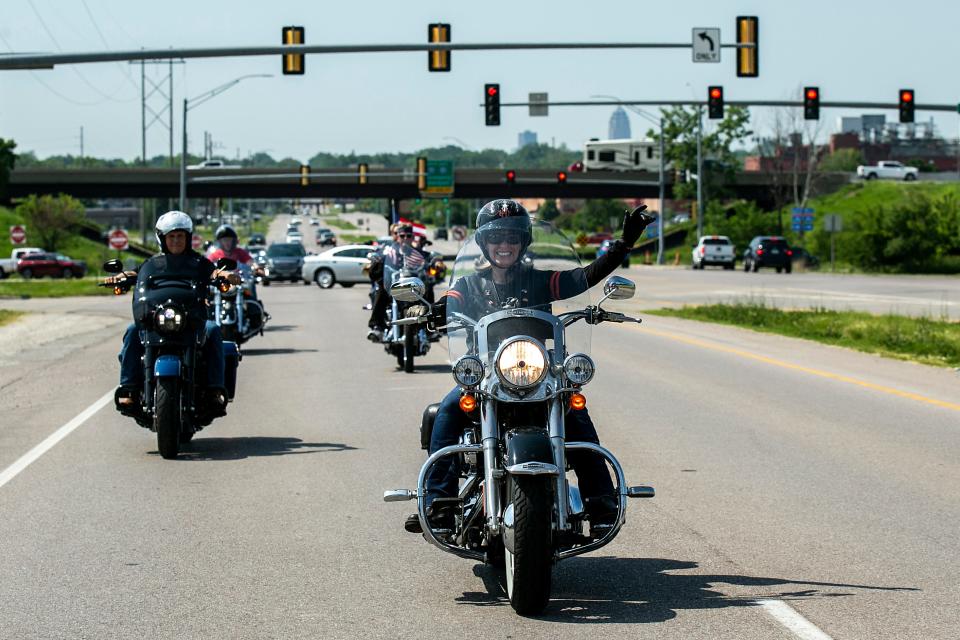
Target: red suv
(55, 265)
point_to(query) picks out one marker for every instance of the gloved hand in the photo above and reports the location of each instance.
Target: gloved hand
(634, 223)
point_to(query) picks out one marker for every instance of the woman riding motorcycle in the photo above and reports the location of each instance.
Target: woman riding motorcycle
(503, 234)
(174, 230)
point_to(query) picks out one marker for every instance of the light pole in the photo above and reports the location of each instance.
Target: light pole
(196, 102)
(659, 123)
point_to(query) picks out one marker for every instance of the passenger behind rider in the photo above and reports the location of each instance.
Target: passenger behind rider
(174, 231)
(504, 232)
(228, 247)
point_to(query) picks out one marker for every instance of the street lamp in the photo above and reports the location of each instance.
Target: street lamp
(196, 102)
(659, 123)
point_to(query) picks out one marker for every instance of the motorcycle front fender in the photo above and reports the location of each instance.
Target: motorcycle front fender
(529, 446)
(167, 366)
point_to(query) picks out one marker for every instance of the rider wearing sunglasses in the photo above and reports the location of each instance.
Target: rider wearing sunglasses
(504, 232)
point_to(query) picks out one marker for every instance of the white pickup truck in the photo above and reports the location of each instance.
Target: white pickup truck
(713, 250)
(9, 267)
(887, 169)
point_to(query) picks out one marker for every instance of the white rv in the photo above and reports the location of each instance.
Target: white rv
(621, 155)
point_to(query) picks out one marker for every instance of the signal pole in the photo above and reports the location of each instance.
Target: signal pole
(699, 172)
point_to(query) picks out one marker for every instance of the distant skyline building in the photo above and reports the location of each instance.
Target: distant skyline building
(525, 138)
(619, 125)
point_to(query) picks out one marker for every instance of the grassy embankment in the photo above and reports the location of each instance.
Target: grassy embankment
(923, 340)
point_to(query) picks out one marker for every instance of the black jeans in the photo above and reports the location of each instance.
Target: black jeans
(451, 421)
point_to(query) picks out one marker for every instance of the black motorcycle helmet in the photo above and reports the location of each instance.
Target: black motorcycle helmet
(226, 231)
(504, 215)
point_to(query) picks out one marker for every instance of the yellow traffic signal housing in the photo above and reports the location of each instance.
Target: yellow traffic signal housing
(748, 58)
(422, 174)
(293, 64)
(304, 175)
(438, 59)
(362, 173)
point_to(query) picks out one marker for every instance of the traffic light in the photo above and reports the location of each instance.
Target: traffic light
(907, 104)
(511, 176)
(811, 103)
(293, 64)
(438, 59)
(422, 174)
(362, 173)
(491, 102)
(715, 103)
(748, 58)
(561, 177)
(304, 175)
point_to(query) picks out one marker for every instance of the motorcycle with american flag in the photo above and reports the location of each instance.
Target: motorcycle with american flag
(408, 337)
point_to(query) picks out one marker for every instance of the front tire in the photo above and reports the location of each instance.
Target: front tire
(409, 347)
(325, 278)
(27, 274)
(67, 274)
(166, 417)
(909, 177)
(529, 567)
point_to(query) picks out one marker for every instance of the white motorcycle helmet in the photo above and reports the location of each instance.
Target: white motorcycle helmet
(173, 221)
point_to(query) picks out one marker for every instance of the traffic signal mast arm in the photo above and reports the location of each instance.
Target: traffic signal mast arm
(952, 108)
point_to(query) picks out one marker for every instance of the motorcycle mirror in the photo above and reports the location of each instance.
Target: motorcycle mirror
(408, 289)
(618, 288)
(226, 263)
(113, 266)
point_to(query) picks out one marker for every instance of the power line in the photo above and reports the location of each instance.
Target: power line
(106, 45)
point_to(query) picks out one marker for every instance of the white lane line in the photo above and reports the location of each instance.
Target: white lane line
(793, 621)
(11, 472)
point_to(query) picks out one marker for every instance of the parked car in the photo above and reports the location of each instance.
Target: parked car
(326, 237)
(55, 265)
(257, 242)
(803, 259)
(343, 265)
(284, 261)
(9, 267)
(887, 169)
(605, 247)
(717, 250)
(768, 251)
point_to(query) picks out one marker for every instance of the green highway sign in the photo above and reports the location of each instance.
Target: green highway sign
(439, 178)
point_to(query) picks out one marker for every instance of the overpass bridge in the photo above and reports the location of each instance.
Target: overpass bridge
(285, 183)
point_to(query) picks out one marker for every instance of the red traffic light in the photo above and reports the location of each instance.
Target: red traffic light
(561, 176)
(492, 91)
(812, 94)
(906, 96)
(716, 93)
(511, 175)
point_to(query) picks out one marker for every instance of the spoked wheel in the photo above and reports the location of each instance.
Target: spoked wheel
(409, 347)
(166, 417)
(529, 566)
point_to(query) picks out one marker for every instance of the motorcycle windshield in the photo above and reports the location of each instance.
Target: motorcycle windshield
(547, 278)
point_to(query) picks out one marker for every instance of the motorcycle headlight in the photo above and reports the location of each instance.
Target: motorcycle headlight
(521, 363)
(168, 319)
(468, 371)
(579, 368)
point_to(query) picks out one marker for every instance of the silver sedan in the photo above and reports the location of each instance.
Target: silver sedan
(343, 265)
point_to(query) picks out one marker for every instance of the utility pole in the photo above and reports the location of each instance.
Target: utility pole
(81, 145)
(699, 172)
(660, 199)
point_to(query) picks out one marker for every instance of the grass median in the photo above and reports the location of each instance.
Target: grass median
(923, 340)
(44, 288)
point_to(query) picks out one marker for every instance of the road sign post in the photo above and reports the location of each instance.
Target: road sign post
(18, 234)
(832, 224)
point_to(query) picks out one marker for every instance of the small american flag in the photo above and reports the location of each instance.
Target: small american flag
(413, 259)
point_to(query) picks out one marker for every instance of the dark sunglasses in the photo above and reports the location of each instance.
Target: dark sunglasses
(404, 235)
(499, 238)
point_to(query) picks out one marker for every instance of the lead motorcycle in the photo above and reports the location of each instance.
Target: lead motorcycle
(172, 333)
(519, 370)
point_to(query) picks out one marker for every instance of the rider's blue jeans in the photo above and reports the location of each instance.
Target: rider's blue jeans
(442, 480)
(131, 357)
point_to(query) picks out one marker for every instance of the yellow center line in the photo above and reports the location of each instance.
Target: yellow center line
(796, 367)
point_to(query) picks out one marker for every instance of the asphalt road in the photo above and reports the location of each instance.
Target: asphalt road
(786, 472)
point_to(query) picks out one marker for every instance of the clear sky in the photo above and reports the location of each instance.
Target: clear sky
(852, 49)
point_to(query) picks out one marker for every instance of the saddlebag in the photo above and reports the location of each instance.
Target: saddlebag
(426, 425)
(231, 359)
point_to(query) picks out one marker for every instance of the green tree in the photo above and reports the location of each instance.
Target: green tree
(549, 211)
(680, 139)
(740, 221)
(842, 160)
(50, 218)
(7, 160)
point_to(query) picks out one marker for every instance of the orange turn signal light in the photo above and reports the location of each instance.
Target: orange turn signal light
(117, 291)
(468, 403)
(578, 401)
(225, 286)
